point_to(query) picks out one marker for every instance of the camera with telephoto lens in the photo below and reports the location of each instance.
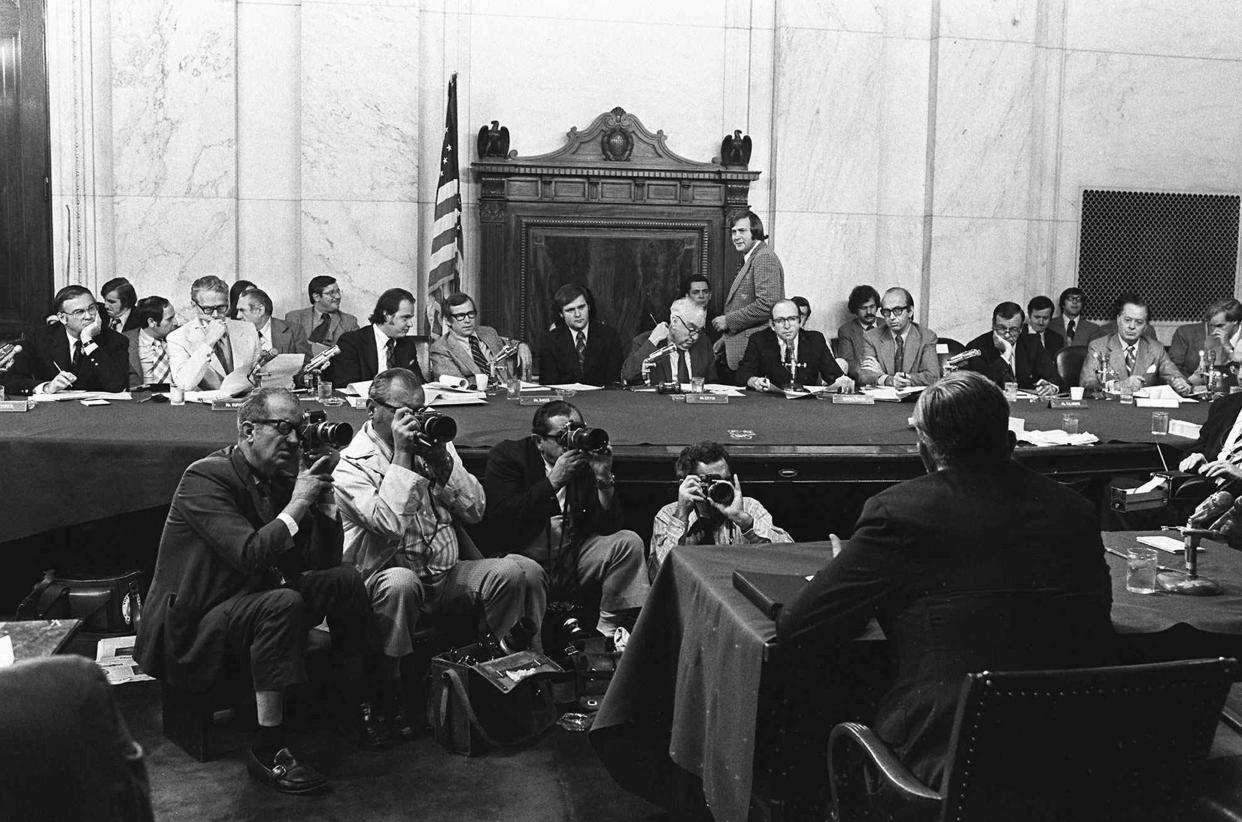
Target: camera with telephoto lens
(431, 427)
(316, 432)
(579, 437)
(718, 491)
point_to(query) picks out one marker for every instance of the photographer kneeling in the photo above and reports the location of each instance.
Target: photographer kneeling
(710, 508)
(551, 497)
(403, 495)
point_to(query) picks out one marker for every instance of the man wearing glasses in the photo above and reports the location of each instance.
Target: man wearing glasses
(208, 348)
(470, 349)
(323, 320)
(901, 353)
(688, 353)
(1008, 355)
(786, 354)
(75, 353)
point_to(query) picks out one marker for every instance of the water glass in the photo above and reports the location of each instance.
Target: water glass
(1159, 422)
(1011, 391)
(1141, 570)
(514, 387)
(1069, 423)
(1127, 392)
(324, 391)
(696, 385)
(176, 395)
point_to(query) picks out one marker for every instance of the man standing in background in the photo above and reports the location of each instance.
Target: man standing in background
(759, 283)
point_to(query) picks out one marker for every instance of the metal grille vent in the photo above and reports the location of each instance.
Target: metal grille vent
(1177, 251)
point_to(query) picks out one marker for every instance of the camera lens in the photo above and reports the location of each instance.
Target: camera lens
(439, 428)
(333, 434)
(720, 492)
(586, 439)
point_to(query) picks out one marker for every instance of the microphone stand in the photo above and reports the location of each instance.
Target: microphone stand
(1191, 583)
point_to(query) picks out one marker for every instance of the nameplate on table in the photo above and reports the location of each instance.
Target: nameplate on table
(227, 404)
(542, 399)
(852, 399)
(1066, 402)
(706, 399)
(16, 405)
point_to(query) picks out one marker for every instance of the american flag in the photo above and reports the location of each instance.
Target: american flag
(446, 253)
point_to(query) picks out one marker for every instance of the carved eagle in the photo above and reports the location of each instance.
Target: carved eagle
(735, 150)
(494, 141)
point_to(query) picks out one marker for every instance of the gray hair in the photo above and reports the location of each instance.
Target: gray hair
(690, 312)
(209, 283)
(963, 419)
(381, 386)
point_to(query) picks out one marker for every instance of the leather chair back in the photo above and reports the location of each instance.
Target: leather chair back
(1069, 364)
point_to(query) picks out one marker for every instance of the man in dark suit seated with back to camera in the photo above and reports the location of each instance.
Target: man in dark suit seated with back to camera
(962, 573)
(580, 348)
(379, 346)
(785, 353)
(1008, 355)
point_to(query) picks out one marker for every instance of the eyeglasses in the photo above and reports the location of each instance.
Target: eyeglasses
(786, 320)
(283, 427)
(897, 309)
(212, 310)
(335, 292)
(391, 407)
(692, 330)
(467, 315)
(1007, 332)
(82, 313)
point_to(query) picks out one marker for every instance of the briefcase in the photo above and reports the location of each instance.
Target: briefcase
(111, 605)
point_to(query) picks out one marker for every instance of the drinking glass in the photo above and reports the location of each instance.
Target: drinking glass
(1141, 570)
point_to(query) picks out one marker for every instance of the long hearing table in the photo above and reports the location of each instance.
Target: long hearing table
(63, 464)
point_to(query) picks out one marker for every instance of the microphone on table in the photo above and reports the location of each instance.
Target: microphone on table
(662, 351)
(7, 357)
(320, 361)
(958, 359)
(1211, 509)
(264, 358)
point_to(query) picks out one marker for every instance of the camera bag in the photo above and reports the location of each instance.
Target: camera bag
(499, 703)
(111, 605)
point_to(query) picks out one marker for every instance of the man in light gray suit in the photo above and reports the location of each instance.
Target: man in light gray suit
(209, 347)
(469, 348)
(323, 321)
(1134, 358)
(759, 283)
(900, 353)
(255, 307)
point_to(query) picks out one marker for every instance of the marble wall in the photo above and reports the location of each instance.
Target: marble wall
(941, 146)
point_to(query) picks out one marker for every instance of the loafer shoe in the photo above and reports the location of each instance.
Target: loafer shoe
(286, 774)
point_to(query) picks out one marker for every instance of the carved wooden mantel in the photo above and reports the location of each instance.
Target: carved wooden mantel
(614, 208)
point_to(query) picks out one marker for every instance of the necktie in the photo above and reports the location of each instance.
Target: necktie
(116, 324)
(683, 373)
(320, 334)
(390, 353)
(581, 346)
(1069, 331)
(224, 354)
(899, 358)
(476, 353)
(77, 353)
(160, 371)
(1131, 355)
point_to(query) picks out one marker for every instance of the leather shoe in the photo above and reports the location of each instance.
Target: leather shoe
(399, 726)
(373, 733)
(286, 774)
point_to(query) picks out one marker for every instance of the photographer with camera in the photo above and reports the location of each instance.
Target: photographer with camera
(710, 508)
(551, 497)
(404, 495)
(250, 562)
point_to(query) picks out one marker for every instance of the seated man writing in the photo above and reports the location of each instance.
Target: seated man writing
(710, 508)
(249, 563)
(786, 354)
(74, 353)
(687, 350)
(404, 495)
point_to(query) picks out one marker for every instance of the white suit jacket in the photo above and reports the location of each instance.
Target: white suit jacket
(194, 364)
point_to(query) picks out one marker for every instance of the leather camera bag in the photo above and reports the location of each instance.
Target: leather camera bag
(111, 605)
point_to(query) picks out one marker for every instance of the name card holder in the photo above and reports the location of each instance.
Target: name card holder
(537, 400)
(1066, 402)
(227, 404)
(16, 405)
(706, 399)
(851, 399)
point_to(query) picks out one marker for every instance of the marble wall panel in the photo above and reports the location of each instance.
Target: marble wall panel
(367, 246)
(1149, 123)
(902, 127)
(983, 139)
(1014, 20)
(975, 264)
(709, 13)
(760, 122)
(896, 18)
(359, 107)
(1203, 28)
(165, 243)
(268, 101)
(173, 101)
(269, 250)
(822, 254)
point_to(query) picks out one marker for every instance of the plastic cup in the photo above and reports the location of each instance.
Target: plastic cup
(1069, 423)
(1076, 393)
(1159, 422)
(1141, 570)
(176, 395)
(696, 385)
(514, 387)
(324, 391)
(480, 382)
(1011, 391)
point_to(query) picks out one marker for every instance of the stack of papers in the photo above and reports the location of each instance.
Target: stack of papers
(886, 393)
(1160, 396)
(63, 396)
(1055, 437)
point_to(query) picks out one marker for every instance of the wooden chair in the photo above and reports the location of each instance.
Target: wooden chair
(1118, 743)
(1069, 364)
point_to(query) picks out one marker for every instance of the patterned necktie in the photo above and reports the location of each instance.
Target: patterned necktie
(899, 358)
(159, 370)
(1131, 356)
(224, 354)
(1069, 331)
(320, 334)
(77, 354)
(581, 346)
(116, 324)
(476, 353)
(390, 353)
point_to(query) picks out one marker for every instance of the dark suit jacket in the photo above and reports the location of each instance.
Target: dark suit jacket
(1031, 363)
(131, 322)
(558, 358)
(219, 542)
(815, 365)
(1221, 416)
(1084, 330)
(46, 346)
(1053, 342)
(940, 561)
(520, 500)
(358, 360)
(702, 361)
(288, 338)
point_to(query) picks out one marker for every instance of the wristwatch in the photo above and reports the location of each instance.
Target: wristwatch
(606, 482)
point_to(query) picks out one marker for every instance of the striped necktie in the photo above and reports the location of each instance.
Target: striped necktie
(1131, 356)
(581, 347)
(159, 370)
(899, 358)
(476, 354)
(224, 354)
(390, 353)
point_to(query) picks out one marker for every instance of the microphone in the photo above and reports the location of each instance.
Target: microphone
(7, 356)
(504, 354)
(264, 358)
(1210, 509)
(662, 351)
(968, 354)
(320, 361)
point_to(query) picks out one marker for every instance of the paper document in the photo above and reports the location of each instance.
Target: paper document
(6, 651)
(886, 393)
(63, 396)
(440, 397)
(115, 654)
(279, 372)
(1161, 392)
(1181, 428)
(575, 386)
(1055, 437)
(359, 388)
(1167, 544)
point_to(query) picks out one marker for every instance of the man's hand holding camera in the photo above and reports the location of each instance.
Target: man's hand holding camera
(312, 485)
(601, 465)
(567, 465)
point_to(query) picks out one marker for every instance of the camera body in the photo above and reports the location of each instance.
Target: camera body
(581, 438)
(718, 491)
(317, 433)
(432, 427)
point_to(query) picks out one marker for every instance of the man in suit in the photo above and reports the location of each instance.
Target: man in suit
(1038, 316)
(1219, 336)
(403, 501)
(469, 349)
(900, 353)
(75, 353)
(557, 504)
(381, 345)
(959, 570)
(785, 354)
(759, 283)
(1070, 324)
(1008, 355)
(249, 563)
(119, 299)
(148, 347)
(209, 348)
(580, 348)
(1217, 453)
(691, 355)
(863, 303)
(323, 321)
(255, 307)
(1132, 356)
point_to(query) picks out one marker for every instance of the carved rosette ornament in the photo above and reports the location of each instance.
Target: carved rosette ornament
(617, 142)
